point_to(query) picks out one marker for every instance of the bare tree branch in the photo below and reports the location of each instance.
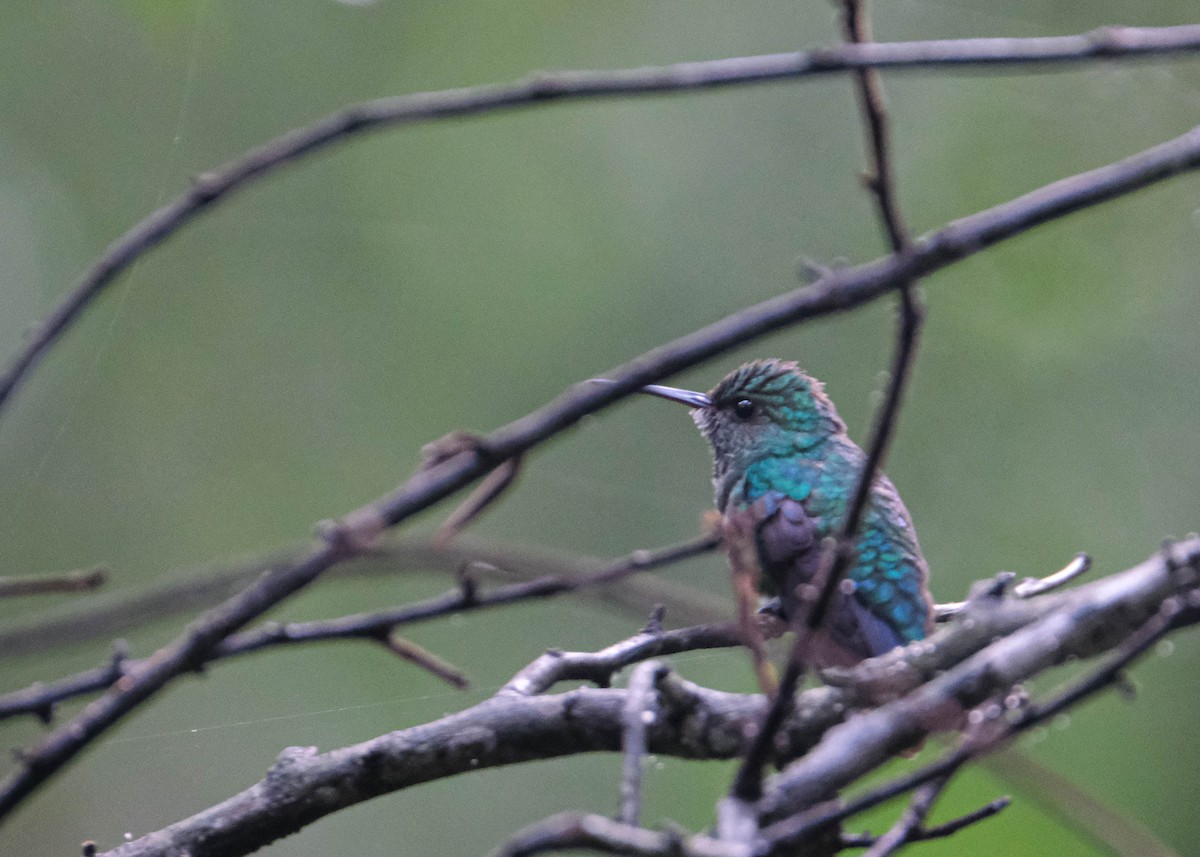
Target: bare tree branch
(599, 667)
(377, 627)
(574, 830)
(865, 840)
(912, 821)
(193, 589)
(305, 785)
(354, 534)
(211, 187)
(838, 556)
(1030, 587)
(959, 667)
(802, 790)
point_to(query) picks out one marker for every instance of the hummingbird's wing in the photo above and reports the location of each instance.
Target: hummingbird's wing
(789, 546)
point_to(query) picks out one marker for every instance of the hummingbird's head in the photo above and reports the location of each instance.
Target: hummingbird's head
(766, 407)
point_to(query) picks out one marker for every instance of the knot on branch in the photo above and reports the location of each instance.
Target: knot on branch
(288, 764)
(208, 186)
(354, 534)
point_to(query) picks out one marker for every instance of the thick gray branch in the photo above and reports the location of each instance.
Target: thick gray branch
(305, 785)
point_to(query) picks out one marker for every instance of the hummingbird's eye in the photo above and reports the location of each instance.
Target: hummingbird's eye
(744, 409)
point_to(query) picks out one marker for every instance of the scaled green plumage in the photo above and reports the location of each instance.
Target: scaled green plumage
(781, 455)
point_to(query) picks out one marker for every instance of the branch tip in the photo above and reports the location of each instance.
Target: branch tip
(654, 625)
(426, 660)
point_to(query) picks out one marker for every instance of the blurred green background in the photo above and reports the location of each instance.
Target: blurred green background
(283, 359)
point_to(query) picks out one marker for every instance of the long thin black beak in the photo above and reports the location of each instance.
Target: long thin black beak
(674, 394)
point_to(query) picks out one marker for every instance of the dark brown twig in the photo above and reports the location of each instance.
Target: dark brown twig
(143, 681)
(940, 831)
(881, 180)
(211, 187)
(41, 699)
(426, 660)
(486, 493)
(80, 580)
(956, 824)
(838, 556)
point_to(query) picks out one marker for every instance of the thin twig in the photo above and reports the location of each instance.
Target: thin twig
(599, 667)
(838, 555)
(79, 580)
(641, 709)
(940, 831)
(539, 89)
(1030, 587)
(486, 493)
(576, 830)
(40, 699)
(192, 589)
(956, 824)
(910, 823)
(881, 180)
(462, 600)
(426, 660)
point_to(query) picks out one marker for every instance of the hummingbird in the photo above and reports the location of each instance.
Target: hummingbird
(784, 470)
